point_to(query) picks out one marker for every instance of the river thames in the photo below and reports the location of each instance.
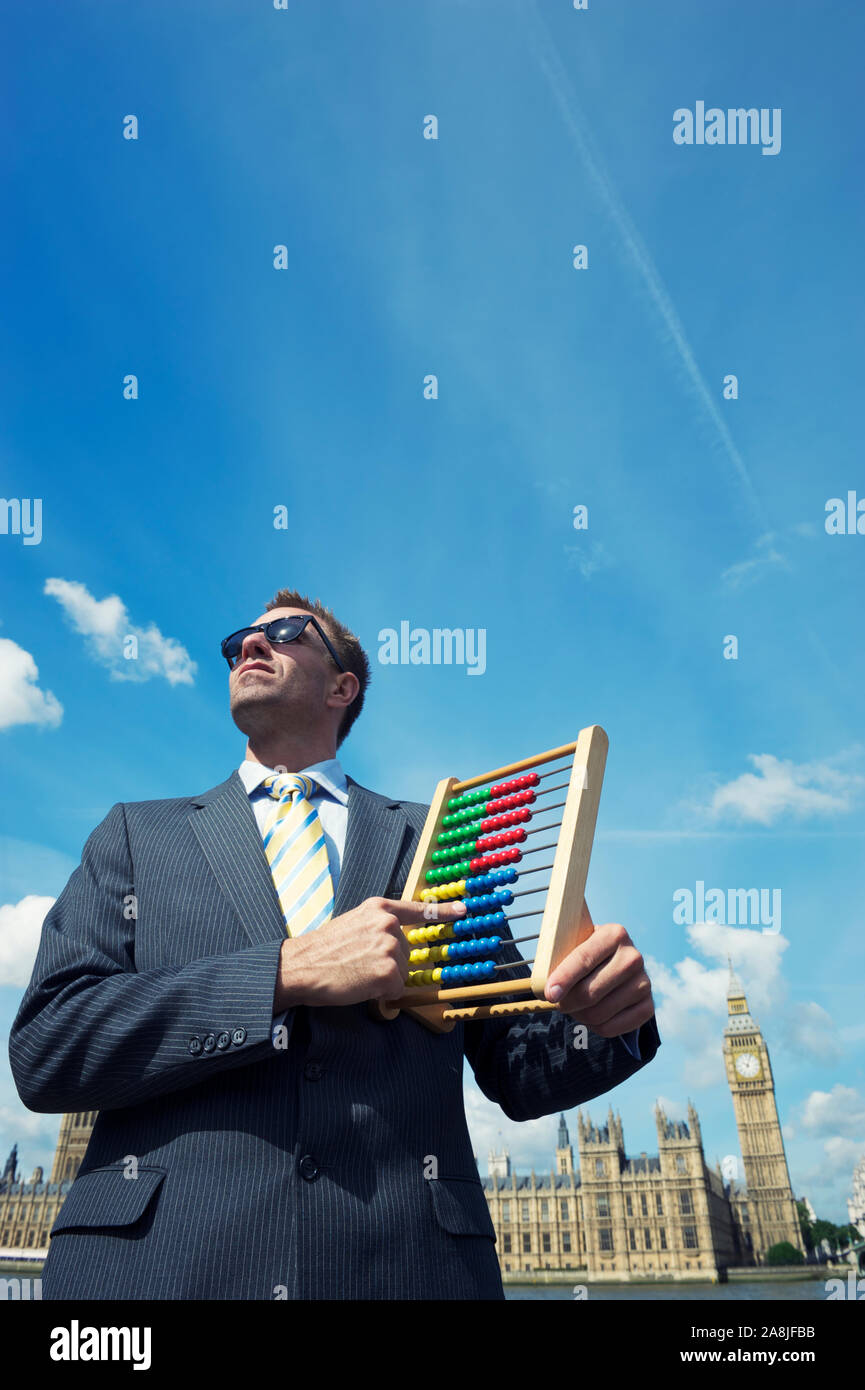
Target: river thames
(746, 1291)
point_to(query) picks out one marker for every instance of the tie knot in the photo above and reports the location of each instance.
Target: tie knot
(289, 785)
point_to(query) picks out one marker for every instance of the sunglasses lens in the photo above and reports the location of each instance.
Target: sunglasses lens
(232, 647)
(280, 630)
(284, 629)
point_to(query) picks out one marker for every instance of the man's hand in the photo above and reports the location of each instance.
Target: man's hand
(362, 954)
(603, 983)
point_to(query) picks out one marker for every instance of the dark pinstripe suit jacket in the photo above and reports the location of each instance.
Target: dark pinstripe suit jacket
(262, 1173)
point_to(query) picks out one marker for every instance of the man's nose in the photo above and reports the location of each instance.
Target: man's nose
(254, 644)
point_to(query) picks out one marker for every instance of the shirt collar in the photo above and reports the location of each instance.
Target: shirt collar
(327, 775)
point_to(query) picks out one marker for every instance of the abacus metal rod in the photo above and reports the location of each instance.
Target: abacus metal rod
(552, 772)
(524, 892)
(564, 751)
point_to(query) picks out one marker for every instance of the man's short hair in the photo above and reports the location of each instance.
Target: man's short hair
(345, 644)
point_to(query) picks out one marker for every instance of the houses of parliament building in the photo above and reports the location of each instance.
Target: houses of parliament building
(664, 1216)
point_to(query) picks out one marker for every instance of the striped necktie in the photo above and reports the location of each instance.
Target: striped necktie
(297, 853)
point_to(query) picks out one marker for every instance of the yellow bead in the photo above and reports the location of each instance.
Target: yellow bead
(436, 976)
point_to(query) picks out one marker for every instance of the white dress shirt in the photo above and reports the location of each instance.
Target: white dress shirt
(330, 799)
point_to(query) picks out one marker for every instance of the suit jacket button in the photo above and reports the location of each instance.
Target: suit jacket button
(312, 1071)
(238, 1036)
(209, 1042)
(308, 1168)
(195, 1046)
(223, 1041)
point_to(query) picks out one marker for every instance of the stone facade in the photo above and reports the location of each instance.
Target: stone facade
(665, 1216)
(28, 1209)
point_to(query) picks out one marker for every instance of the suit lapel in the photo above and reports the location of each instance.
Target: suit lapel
(374, 835)
(224, 824)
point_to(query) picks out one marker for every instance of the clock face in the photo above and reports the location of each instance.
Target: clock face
(748, 1065)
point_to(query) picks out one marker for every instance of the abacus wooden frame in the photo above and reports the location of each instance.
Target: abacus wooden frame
(566, 921)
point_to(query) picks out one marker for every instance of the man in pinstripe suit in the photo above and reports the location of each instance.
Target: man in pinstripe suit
(259, 1134)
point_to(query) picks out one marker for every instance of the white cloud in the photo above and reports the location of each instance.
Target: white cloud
(27, 1122)
(781, 787)
(740, 575)
(587, 558)
(21, 700)
(808, 1029)
(20, 929)
(842, 1109)
(843, 1154)
(529, 1142)
(691, 999)
(673, 1109)
(107, 628)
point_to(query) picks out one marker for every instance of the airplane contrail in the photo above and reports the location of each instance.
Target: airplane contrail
(639, 256)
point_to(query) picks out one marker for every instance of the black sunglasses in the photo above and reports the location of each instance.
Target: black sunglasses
(280, 630)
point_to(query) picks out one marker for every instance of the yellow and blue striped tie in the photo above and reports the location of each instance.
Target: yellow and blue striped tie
(296, 851)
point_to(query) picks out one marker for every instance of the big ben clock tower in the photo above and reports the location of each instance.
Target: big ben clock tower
(749, 1076)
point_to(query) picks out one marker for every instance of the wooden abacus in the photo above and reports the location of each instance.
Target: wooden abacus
(476, 835)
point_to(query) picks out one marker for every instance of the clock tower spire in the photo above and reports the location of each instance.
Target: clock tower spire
(770, 1204)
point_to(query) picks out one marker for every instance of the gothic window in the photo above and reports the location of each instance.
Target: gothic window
(680, 1163)
(506, 1211)
(599, 1167)
(629, 1206)
(566, 1242)
(647, 1237)
(606, 1238)
(507, 1243)
(524, 1211)
(545, 1209)
(564, 1208)
(660, 1204)
(690, 1236)
(603, 1205)
(643, 1206)
(662, 1236)
(632, 1238)
(527, 1243)
(545, 1243)
(685, 1205)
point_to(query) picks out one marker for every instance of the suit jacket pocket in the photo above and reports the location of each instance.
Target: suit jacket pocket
(106, 1197)
(460, 1207)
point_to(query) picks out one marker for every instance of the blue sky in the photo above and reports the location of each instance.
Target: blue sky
(303, 388)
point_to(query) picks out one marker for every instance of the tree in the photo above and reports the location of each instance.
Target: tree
(805, 1226)
(784, 1254)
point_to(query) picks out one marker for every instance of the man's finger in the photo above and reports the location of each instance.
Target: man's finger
(411, 913)
(602, 1010)
(592, 953)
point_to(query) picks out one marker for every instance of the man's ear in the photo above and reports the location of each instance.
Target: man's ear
(349, 685)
